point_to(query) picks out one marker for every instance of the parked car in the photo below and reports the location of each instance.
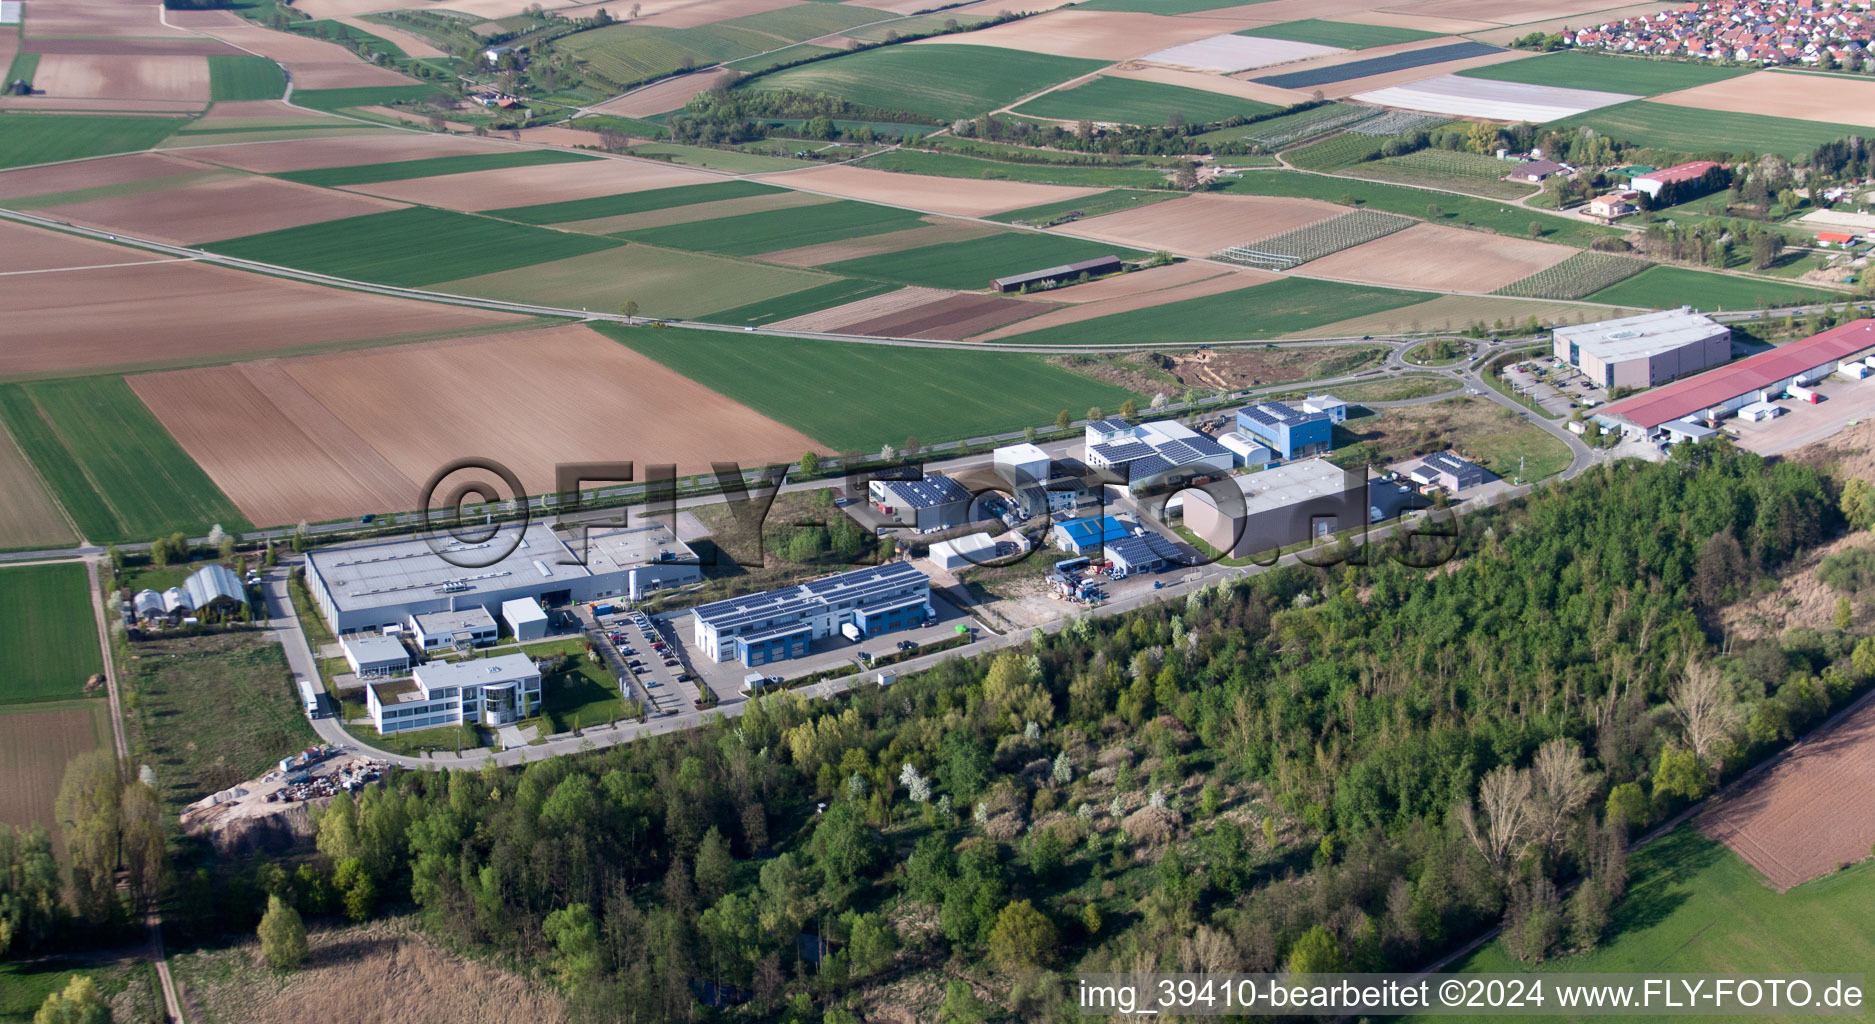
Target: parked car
(670, 661)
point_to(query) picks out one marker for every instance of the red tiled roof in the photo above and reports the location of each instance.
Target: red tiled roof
(1716, 387)
(1838, 237)
(1682, 172)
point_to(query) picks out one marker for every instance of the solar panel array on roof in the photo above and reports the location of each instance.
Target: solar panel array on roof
(1451, 463)
(1277, 414)
(931, 492)
(1144, 550)
(1112, 425)
(1117, 453)
(857, 587)
(1148, 467)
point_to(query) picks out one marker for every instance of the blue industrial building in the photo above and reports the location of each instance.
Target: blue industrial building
(1084, 536)
(1290, 433)
(776, 625)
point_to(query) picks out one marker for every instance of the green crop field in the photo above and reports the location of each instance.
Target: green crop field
(921, 24)
(412, 248)
(365, 96)
(939, 81)
(52, 634)
(1666, 287)
(1694, 907)
(952, 165)
(1581, 69)
(787, 228)
(788, 55)
(1111, 201)
(111, 464)
(1444, 168)
(834, 293)
(1690, 130)
(401, 170)
(861, 396)
(1338, 33)
(972, 264)
(1142, 103)
(626, 54)
(632, 202)
(245, 78)
(664, 282)
(1337, 152)
(45, 138)
(1454, 211)
(1258, 311)
(716, 159)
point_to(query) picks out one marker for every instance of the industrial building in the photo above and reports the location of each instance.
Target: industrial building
(934, 503)
(1286, 505)
(481, 691)
(373, 585)
(372, 656)
(1157, 452)
(1290, 433)
(1328, 405)
(776, 625)
(1022, 464)
(1147, 552)
(1654, 181)
(1245, 450)
(1058, 275)
(454, 630)
(1443, 469)
(1087, 536)
(963, 552)
(1751, 381)
(526, 619)
(1643, 351)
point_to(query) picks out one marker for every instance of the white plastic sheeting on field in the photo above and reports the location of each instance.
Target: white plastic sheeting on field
(1236, 53)
(1497, 101)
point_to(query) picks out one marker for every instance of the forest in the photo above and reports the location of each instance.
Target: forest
(1357, 766)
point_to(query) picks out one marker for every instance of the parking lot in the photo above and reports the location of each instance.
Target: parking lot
(1554, 384)
(1844, 402)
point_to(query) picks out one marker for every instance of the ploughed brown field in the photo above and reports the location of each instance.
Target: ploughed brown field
(1100, 35)
(958, 197)
(1435, 258)
(1203, 224)
(342, 434)
(669, 94)
(35, 746)
(1804, 97)
(85, 76)
(223, 207)
(313, 63)
(168, 312)
(708, 12)
(102, 172)
(320, 153)
(1127, 302)
(1811, 811)
(951, 318)
(935, 231)
(542, 183)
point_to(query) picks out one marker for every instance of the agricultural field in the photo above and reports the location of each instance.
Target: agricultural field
(953, 165)
(1113, 201)
(1292, 248)
(344, 434)
(46, 138)
(557, 181)
(971, 265)
(1147, 288)
(1580, 275)
(631, 53)
(773, 230)
(943, 81)
(1199, 225)
(53, 635)
(633, 202)
(29, 519)
(1286, 129)
(1143, 103)
(1346, 35)
(664, 282)
(816, 386)
(1576, 69)
(954, 197)
(1158, 6)
(1441, 259)
(245, 78)
(1694, 907)
(211, 711)
(1335, 153)
(1457, 312)
(1666, 287)
(1402, 61)
(715, 159)
(1453, 210)
(1269, 310)
(403, 170)
(110, 463)
(37, 741)
(215, 206)
(809, 300)
(361, 96)
(412, 248)
(1448, 169)
(1786, 94)
(1691, 130)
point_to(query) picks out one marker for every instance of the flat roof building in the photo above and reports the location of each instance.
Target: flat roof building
(1443, 469)
(1643, 351)
(1290, 433)
(526, 619)
(374, 656)
(934, 503)
(1022, 464)
(1751, 380)
(1147, 552)
(466, 627)
(963, 552)
(1289, 504)
(1155, 452)
(1086, 536)
(368, 585)
(480, 691)
(1328, 405)
(775, 625)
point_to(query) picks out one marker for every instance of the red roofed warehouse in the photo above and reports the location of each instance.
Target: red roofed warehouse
(1731, 388)
(1653, 182)
(1835, 237)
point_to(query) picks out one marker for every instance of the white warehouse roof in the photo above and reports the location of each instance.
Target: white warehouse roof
(522, 609)
(1637, 337)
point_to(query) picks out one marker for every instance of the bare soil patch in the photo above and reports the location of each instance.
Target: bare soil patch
(87, 105)
(100, 173)
(179, 46)
(554, 135)
(835, 318)
(313, 63)
(1810, 812)
(28, 519)
(25, 249)
(1435, 258)
(694, 212)
(122, 77)
(670, 94)
(1233, 368)
(709, 12)
(1200, 225)
(1804, 97)
(1126, 303)
(528, 400)
(542, 183)
(948, 319)
(936, 232)
(107, 20)
(315, 154)
(954, 196)
(34, 749)
(355, 74)
(175, 312)
(1100, 35)
(239, 113)
(386, 972)
(210, 210)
